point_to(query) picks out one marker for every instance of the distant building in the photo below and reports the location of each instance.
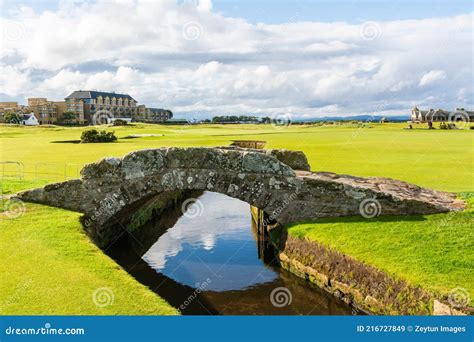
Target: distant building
(87, 107)
(12, 107)
(6, 107)
(29, 120)
(36, 101)
(152, 114)
(96, 107)
(440, 115)
(47, 112)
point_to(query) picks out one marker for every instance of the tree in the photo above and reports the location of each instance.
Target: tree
(169, 113)
(13, 118)
(67, 117)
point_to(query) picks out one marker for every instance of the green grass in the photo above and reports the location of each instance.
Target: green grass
(12, 186)
(439, 159)
(431, 251)
(49, 266)
(53, 268)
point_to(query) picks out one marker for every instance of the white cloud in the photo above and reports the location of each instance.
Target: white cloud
(432, 77)
(232, 66)
(204, 5)
(12, 80)
(332, 46)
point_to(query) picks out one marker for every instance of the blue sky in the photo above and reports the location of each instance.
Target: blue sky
(352, 11)
(200, 58)
(281, 11)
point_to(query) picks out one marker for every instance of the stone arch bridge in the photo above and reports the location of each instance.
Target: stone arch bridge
(279, 182)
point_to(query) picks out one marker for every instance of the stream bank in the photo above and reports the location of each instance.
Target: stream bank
(362, 286)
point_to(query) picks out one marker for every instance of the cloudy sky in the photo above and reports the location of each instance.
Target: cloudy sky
(200, 58)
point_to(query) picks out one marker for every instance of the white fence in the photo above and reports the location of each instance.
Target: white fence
(38, 171)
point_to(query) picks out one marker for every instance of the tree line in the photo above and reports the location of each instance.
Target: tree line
(239, 118)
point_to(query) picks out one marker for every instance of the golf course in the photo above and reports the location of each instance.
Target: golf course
(53, 267)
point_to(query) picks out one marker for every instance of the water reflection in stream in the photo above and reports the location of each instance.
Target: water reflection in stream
(207, 263)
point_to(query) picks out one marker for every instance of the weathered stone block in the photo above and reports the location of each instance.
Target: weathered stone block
(105, 168)
(259, 163)
(143, 163)
(295, 159)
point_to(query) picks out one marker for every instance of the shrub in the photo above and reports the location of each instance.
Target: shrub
(119, 122)
(94, 136)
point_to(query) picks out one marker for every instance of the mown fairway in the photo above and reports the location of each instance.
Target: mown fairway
(53, 268)
(438, 159)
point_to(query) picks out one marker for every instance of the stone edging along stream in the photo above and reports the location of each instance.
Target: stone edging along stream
(362, 286)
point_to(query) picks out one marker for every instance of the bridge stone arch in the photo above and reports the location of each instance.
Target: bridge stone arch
(276, 181)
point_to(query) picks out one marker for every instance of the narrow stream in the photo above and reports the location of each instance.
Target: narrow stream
(206, 262)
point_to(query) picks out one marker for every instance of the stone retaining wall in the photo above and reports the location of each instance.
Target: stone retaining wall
(362, 286)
